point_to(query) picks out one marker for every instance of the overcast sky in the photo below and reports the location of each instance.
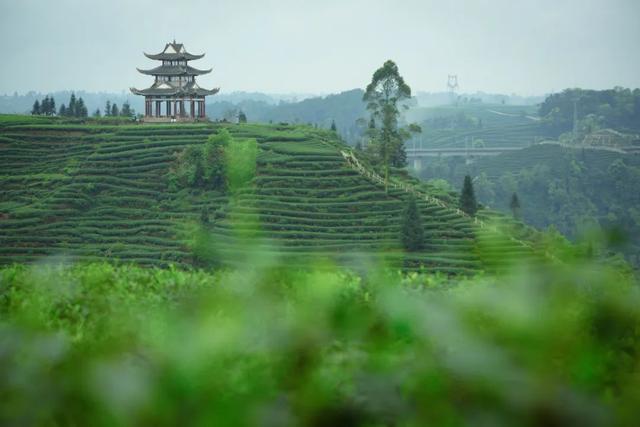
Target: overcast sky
(323, 46)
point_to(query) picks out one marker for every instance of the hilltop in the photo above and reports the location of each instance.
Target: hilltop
(94, 191)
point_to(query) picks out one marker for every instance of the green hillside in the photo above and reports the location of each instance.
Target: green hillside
(92, 191)
(576, 190)
(495, 125)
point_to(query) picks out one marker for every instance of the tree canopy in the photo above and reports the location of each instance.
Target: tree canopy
(616, 108)
(468, 202)
(514, 205)
(384, 97)
(412, 231)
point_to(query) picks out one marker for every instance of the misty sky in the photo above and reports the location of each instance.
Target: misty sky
(323, 46)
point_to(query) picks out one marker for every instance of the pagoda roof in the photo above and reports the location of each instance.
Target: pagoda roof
(165, 89)
(174, 70)
(173, 51)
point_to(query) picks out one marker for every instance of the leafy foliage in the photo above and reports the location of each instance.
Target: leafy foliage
(412, 231)
(616, 108)
(102, 345)
(468, 202)
(203, 165)
(384, 97)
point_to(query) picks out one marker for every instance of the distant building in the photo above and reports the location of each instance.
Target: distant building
(174, 95)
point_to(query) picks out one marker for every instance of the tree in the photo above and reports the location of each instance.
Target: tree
(468, 202)
(81, 109)
(213, 154)
(515, 206)
(62, 111)
(203, 166)
(242, 117)
(333, 126)
(126, 110)
(36, 108)
(107, 109)
(52, 106)
(383, 96)
(72, 110)
(114, 110)
(412, 231)
(44, 105)
(97, 113)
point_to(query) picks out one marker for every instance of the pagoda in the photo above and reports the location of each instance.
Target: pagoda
(174, 95)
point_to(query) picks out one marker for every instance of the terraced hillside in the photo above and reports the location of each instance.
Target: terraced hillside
(496, 125)
(101, 192)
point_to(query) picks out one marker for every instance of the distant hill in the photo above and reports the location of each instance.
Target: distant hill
(95, 192)
(464, 125)
(436, 99)
(344, 108)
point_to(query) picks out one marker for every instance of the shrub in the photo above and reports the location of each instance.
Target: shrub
(202, 166)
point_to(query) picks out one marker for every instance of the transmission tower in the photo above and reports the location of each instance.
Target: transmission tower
(452, 84)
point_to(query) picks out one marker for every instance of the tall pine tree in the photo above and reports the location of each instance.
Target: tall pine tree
(36, 108)
(515, 206)
(44, 106)
(107, 109)
(114, 110)
(81, 109)
(468, 202)
(72, 109)
(412, 231)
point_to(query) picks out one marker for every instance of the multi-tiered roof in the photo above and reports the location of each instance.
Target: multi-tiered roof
(174, 77)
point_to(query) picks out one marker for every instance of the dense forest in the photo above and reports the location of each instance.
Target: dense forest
(617, 108)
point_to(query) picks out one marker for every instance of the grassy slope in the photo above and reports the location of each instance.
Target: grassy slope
(100, 192)
(513, 127)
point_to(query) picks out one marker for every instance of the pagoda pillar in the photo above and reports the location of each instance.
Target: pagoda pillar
(168, 108)
(193, 108)
(158, 105)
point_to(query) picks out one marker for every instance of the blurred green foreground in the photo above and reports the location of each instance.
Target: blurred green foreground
(96, 345)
